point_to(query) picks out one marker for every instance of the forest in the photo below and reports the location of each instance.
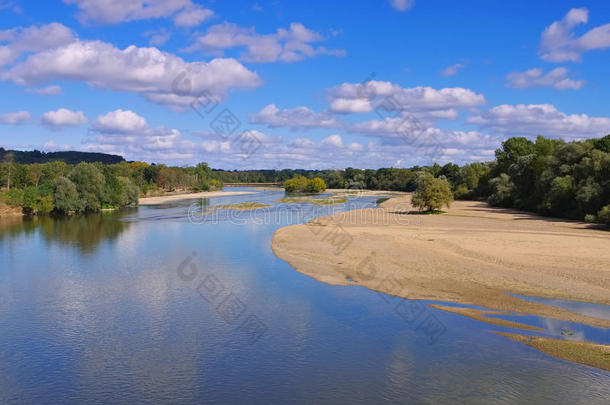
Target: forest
(551, 177)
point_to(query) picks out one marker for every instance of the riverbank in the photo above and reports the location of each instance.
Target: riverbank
(473, 254)
(187, 196)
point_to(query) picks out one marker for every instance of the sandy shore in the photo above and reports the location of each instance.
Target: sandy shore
(177, 197)
(473, 254)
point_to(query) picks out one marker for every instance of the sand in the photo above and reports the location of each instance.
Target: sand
(187, 196)
(473, 254)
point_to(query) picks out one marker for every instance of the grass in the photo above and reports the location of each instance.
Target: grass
(242, 206)
(328, 201)
(311, 200)
(382, 200)
(591, 354)
(294, 200)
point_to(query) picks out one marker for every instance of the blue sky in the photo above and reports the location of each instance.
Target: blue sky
(312, 84)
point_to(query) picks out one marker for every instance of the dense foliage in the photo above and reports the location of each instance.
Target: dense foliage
(301, 184)
(89, 187)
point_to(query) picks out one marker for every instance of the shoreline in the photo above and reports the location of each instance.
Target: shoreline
(472, 255)
(187, 196)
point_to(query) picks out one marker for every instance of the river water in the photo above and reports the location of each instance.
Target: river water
(148, 306)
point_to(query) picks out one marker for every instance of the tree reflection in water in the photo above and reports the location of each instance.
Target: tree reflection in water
(85, 232)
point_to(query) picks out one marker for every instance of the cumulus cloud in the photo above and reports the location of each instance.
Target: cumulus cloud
(45, 91)
(295, 118)
(285, 45)
(402, 5)
(185, 12)
(159, 76)
(559, 43)
(119, 121)
(126, 133)
(63, 118)
(541, 119)
(15, 118)
(452, 70)
(556, 78)
(364, 97)
(18, 41)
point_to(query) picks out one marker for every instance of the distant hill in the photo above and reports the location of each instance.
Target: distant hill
(70, 157)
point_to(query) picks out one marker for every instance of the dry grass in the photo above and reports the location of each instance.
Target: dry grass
(591, 354)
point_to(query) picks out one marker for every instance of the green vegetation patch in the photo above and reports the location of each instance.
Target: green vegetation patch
(328, 201)
(311, 200)
(242, 206)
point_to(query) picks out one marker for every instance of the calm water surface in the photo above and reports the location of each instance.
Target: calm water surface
(145, 306)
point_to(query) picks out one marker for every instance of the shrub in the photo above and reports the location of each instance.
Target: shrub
(45, 204)
(603, 215)
(296, 184)
(300, 184)
(315, 185)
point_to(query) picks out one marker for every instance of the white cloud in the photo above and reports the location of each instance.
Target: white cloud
(452, 70)
(63, 118)
(556, 78)
(285, 45)
(45, 91)
(159, 76)
(119, 121)
(332, 140)
(32, 39)
(348, 106)
(295, 118)
(158, 37)
(185, 12)
(541, 119)
(15, 118)
(559, 44)
(192, 16)
(51, 146)
(402, 5)
(387, 96)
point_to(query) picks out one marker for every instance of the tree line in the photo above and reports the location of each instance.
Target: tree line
(547, 176)
(58, 187)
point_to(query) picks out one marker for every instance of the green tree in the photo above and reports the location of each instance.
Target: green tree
(431, 193)
(512, 149)
(89, 182)
(65, 196)
(502, 191)
(29, 200)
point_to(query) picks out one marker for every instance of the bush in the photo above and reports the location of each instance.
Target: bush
(301, 184)
(431, 193)
(297, 184)
(603, 215)
(315, 185)
(13, 197)
(45, 205)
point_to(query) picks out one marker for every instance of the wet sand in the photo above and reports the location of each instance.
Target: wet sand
(186, 196)
(473, 254)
